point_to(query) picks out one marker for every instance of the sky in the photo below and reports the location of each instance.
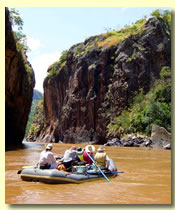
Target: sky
(50, 30)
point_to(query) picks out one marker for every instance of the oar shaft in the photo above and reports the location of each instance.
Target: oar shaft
(117, 172)
(98, 167)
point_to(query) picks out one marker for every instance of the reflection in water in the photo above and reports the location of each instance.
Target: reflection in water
(146, 179)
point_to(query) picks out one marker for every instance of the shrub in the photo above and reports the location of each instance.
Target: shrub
(78, 49)
(165, 72)
(162, 93)
(56, 67)
(156, 13)
(146, 110)
(165, 15)
(155, 113)
(63, 56)
(20, 38)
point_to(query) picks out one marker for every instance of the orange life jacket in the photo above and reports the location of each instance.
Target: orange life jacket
(61, 167)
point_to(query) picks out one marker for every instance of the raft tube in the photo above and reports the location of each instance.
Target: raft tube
(54, 176)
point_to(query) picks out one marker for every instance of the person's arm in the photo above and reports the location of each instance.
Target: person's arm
(107, 161)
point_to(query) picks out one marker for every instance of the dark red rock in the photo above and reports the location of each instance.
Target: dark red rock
(95, 86)
(19, 83)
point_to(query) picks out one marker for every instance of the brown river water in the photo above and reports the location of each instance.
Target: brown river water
(146, 179)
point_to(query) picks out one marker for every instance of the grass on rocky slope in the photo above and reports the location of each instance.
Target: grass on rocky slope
(114, 37)
(109, 39)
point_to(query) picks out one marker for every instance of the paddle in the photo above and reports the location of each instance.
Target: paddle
(117, 172)
(98, 167)
(113, 172)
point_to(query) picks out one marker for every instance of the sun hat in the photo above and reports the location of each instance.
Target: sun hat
(101, 149)
(49, 146)
(79, 151)
(73, 148)
(90, 148)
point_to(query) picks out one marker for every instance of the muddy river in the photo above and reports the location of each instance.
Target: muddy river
(146, 179)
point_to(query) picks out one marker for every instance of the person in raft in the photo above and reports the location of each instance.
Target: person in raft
(79, 160)
(90, 149)
(101, 159)
(79, 157)
(47, 159)
(69, 157)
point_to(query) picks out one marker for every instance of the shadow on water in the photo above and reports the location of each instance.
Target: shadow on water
(23, 145)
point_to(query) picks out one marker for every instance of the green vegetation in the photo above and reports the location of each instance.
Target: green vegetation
(19, 37)
(165, 15)
(116, 36)
(37, 98)
(113, 37)
(38, 120)
(83, 48)
(146, 110)
(56, 67)
(79, 50)
(16, 19)
(63, 57)
(21, 42)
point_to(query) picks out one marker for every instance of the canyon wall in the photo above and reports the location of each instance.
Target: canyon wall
(97, 81)
(19, 84)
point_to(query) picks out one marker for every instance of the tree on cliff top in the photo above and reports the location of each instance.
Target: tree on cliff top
(165, 15)
(17, 21)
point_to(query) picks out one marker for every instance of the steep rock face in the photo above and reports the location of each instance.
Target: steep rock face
(19, 83)
(98, 81)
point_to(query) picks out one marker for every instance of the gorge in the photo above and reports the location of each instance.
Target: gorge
(94, 81)
(111, 85)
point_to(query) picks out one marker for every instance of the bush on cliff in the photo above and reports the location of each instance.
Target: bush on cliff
(55, 67)
(165, 15)
(20, 38)
(146, 110)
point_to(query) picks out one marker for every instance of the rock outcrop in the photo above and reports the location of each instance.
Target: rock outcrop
(132, 140)
(19, 83)
(97, 81)
(160, 137)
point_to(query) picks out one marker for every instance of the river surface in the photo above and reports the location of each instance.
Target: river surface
(146, 179)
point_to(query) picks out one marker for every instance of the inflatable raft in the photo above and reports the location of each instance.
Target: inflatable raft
(54, 176)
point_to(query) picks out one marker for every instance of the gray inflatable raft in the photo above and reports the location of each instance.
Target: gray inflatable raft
(54, 176)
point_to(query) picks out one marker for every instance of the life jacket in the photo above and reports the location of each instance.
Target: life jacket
(100, 159)
(80, 157)
(86, 158)
(61, 167)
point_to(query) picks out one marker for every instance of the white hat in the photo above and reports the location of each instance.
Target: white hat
(79, 151)
(90, 148)
(100, 149)
(49, 146)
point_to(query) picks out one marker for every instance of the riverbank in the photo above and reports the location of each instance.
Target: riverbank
(139, 141)
(160, 138)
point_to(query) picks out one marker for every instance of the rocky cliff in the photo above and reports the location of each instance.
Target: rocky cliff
(19, 84)
(98, 79)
